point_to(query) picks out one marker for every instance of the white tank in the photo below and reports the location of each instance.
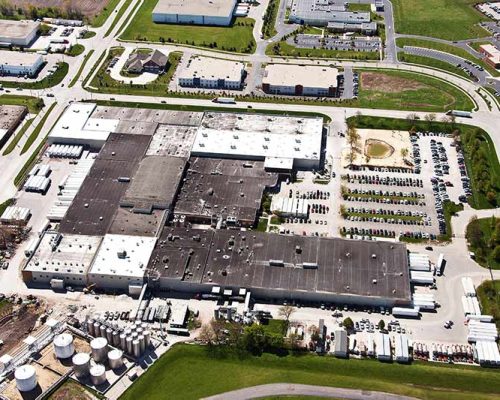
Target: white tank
(103, 331)
(97, 329)
(26, 378)
(116, 338)
(135, 335)
(109, 335)
(123, 343)
(147, 338)
(98, 374)
(63, 345)
(99, 347)
(115, 358)
(128, 343)
(136, 346)
(81, 364)
(90, 327)
(142, 344)
(128, 332)
(144, 326)
(139, 331)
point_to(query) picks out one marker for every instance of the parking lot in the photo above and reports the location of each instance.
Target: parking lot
(59, 36)
(368, 44)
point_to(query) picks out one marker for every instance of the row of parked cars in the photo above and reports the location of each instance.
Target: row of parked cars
(388, 180)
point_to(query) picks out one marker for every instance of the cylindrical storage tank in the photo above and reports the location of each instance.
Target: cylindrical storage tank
(136, 346)
(128, 332)
(123, 343)
(26, 378)
(144, 326)
(139, 331)
(97, 329)
(63, 345)
(90, 327)
(147, 338)
(81, 364)
(98, 374)
(103, 331)
(109, 335)
(128, 342)
(134, 335)
(99, 347)
(142, 345)
(116, 338)
(115, 358)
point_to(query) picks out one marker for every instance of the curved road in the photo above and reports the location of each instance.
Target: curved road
(293, 389)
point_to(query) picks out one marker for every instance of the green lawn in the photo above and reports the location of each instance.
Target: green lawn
(489, 297)
(12, 145)
(236, 38)
(37, 130)
(89, 34)
(284, 49)
(119, 14)
(444, 19)
(101, 18)
(433, 63)
(410, 91)
(480, 155)
(82, 66)
(261, 225)
(483, 244)
(76, 50)
(174, 373)
(47, 82)
(359, 7)
(34, 104)
(447, 48)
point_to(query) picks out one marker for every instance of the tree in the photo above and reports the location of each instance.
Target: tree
(404, 152)
(496, 253)
(348, 324)
(430, 118)
(381, 325)
(286, 312)
(254, 339)
(206, 334)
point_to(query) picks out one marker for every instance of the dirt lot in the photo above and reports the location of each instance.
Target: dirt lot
(16, 328)
(72, 390)
(387, 83)
(88, 8)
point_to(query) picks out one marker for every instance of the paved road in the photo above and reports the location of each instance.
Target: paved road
(292, 389)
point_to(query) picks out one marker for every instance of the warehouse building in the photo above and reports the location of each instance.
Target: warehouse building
(300, 80)
(281, 267)
(15, 63)
(10, 118)
(212, 73)
(491, 55)
(18, 33)
(366, 28)
(321, 12)
(61, 258)
(202, 12)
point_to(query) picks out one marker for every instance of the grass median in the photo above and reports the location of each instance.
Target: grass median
(422, 380)
(118, 16)
(19, 135)
(34, 135)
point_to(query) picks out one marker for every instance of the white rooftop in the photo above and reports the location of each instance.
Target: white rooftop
(73, 254)
(18, 58)
(17, 29)
(216, 8)
(72, 125)
(305, 75)
(123, 255)
(212, 68)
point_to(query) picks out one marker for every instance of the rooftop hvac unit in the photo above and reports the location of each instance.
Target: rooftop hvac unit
(233, 146)
(122, 253)
(276, 263)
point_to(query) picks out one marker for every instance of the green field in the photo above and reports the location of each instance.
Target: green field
(444, 19)
(268, 27)
(47, 82)
(489, 297)
(480, 156)
(284, 49)
(76, 50)
(34, 104)
(410, 91)
(483, 237)
(101, 18)
(236, 38)
(433, 63)
(447, 48)
(174, 373)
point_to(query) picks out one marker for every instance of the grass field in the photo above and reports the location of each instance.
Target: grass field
(407, 90)
(284, 49)
(12, 145)
(486, 154)
(117, 16)
(483, 251)
(76, 50)
(433, 63)
(217, 375)
(101, 18)
(444, 19)
(47, 82)
(489, 298)
(34, 104)
(447, 48)
(236, 38)
(37, 130)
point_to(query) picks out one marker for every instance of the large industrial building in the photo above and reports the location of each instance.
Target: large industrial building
(300, 80)
(15, 63)
(18, 33)
(202, 12)
(491, 55)
(323, 12)
(212, 73)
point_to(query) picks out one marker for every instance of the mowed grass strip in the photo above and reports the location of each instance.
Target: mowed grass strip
(236, 38)
(433, 63)
(37, 130)
(80, 70)
(12, 145)
(444, 19)
(34, 104)
(489, 297)
(119, 14)
(174, 373)
(408, 90)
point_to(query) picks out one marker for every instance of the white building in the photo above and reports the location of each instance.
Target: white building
(212, 73)
(121, 261)
(200, 12)
(18, 33)
(300, 80)
(321, 12)
(62, 257)
(20, 64)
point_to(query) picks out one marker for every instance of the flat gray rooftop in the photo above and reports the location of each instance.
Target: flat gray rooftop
(222, 8)
(172, 140)
(17, 29)
(126, 222)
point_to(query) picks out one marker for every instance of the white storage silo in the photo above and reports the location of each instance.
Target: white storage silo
(99, 347)
(90, 327)
(81, 364)
(128, 332)
(97, 329)
(103, 331)
(128, 342)
(26, 378)
(142, 345)
(63, 345)
(147, 338)
(115, 358)
(109, 335)
(123, 344)
(116, 338)
(98, 374)
(136, 346)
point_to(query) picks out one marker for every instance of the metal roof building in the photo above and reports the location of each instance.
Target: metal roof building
(18, 33)
(321, 12)
(202, 12)
(18, 63)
